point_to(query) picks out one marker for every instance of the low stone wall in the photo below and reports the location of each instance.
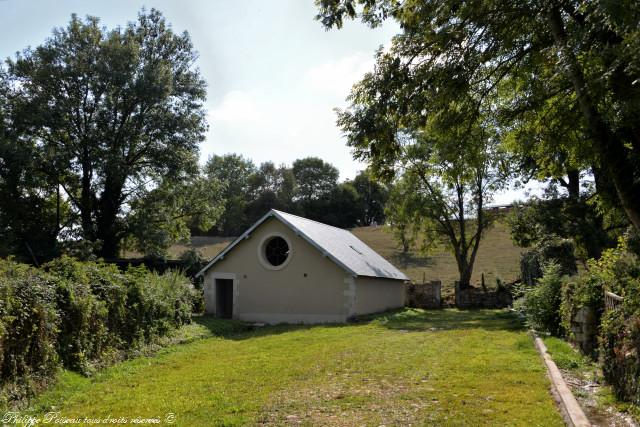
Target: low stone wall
(480, 298)
(584, 330)
(424, 295)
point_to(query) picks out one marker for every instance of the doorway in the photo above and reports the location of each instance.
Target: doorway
(224, 298)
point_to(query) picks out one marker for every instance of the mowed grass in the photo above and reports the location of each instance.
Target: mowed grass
(412, 367)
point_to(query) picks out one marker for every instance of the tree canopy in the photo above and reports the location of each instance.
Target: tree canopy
(559, 77)
(309, 187)
(116, 117)
(314, 178)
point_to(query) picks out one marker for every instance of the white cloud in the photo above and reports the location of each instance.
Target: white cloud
(270, 126)
(338, 76)
(237, 106)
(282, 123)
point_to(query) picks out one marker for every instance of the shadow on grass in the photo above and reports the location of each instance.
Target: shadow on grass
(238, 330)
(410, 260)
(408, 319)
(412, 319)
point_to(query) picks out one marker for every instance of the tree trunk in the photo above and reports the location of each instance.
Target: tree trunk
(465, 277)
(464, 269)
(86, 199)
(614, 156)
(573, 183)
(108, 228)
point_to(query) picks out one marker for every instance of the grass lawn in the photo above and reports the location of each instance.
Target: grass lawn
(445, 367)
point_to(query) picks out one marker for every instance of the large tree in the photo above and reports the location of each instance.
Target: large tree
(235, 173)
(30, 211)
(117, 113)
(270, 187)
(372, 197)
(446, 175)
(315, 178)
(579, 56)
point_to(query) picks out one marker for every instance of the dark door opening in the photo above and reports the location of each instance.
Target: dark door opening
(224, 298)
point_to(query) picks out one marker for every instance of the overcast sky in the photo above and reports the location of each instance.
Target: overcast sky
(274, 74)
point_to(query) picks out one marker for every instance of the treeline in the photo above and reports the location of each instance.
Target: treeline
(309, 187)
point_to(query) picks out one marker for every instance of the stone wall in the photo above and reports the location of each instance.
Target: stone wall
(480, 298)
(424, 295)
(584, 330)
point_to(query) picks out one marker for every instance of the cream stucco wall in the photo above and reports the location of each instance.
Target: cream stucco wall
(376, 294)
(285, 295)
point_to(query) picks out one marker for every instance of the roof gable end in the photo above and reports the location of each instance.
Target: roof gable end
(340, 246)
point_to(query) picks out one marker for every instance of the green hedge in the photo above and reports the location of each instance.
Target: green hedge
(80, 315)
(540, 304)
(617, 270)
(620, 328)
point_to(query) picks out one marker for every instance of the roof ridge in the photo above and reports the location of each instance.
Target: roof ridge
(311, 220)
(372, 264)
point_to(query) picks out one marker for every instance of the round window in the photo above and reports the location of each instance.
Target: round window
(276, 251)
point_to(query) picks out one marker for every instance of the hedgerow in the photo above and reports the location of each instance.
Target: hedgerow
(80, 315)
(620, 328)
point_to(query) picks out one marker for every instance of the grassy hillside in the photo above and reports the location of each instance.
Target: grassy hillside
(497, 257)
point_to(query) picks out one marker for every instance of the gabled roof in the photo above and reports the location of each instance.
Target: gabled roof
(339, 245)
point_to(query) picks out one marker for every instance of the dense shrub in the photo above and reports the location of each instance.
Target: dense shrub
(620, 328)
(28, 329)
(540, 304)
(619, 347)
(81, 315)
(156, 303)
(583, 292)
(550, 249)
(611, 272)
(193, 261)
(83, 333)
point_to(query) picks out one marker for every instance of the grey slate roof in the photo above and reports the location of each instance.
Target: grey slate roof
(339, 245)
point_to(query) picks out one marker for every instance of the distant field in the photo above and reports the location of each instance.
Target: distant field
(208, 246)
(497, 257)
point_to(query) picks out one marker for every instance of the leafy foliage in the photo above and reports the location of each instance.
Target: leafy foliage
(113, 117)
(568, 218)
(540, 304)
(28, 330)
(309, 188)
(619, 271)
(314, 178)
(559, 78)
(80, 315)
(551, 249)
(28, 208)
(235, 173)
(372, 198)
(166, 214)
